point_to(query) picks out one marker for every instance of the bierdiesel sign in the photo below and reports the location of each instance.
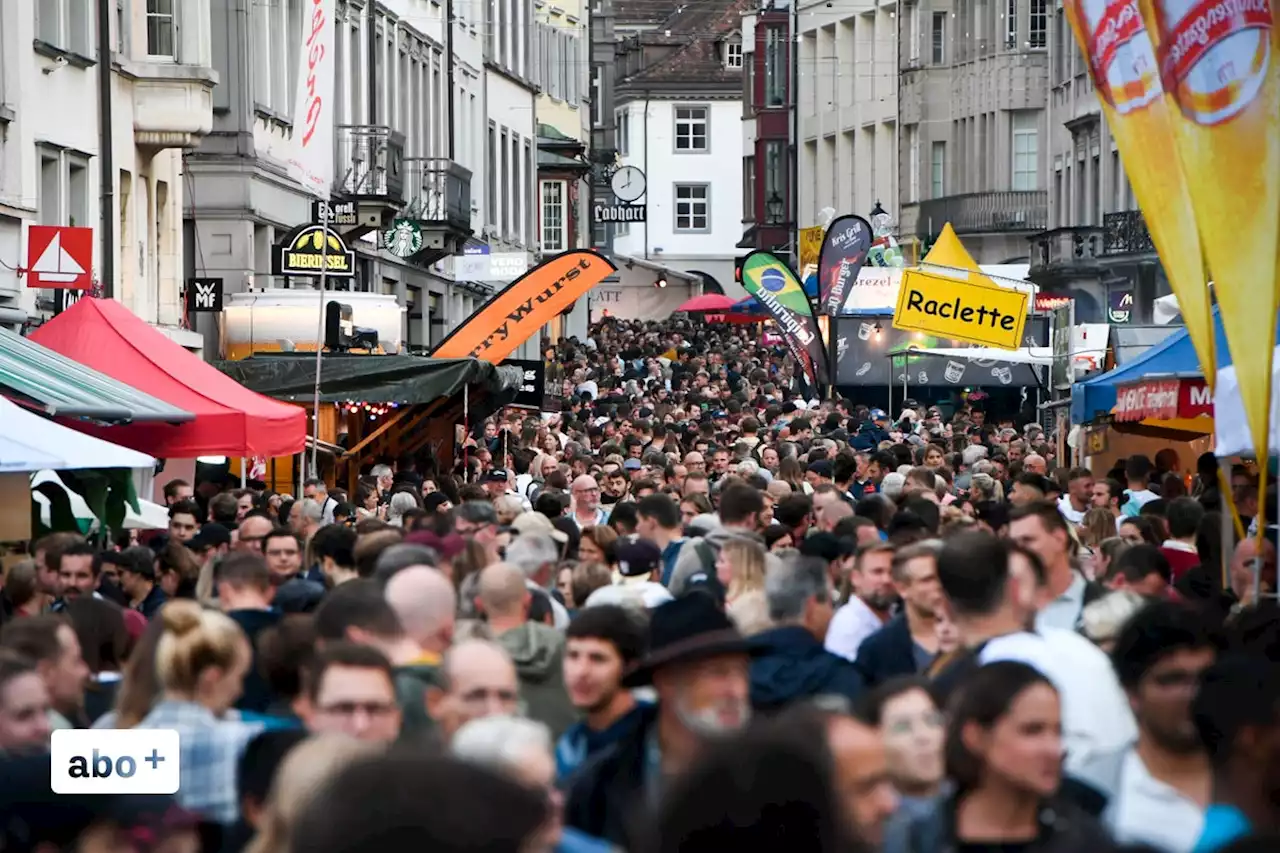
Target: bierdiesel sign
(982, 314)
(1163, 399)
(304, 252)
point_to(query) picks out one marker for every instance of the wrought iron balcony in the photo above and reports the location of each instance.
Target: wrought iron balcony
(1126, 233)
(370, 162)
(985, 213)
(439, 191)
(1065, 247)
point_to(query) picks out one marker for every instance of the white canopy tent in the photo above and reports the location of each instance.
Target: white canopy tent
(1230, 428)
(29, 442)
(152, 517)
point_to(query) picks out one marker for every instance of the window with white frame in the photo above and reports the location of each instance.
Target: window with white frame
(65, 24)
(938, 170)
(622, 131)
(1037, 24)
(64, 187)
(691, 129)
(161, 30)
(693, 207)
(555, 220)
(1026, 150)
(733, 54)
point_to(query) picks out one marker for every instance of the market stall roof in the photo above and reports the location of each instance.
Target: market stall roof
(229, 418)
(61, 386)
(29, 442)
(1174, 354)
(1024, 355)
(408, 379)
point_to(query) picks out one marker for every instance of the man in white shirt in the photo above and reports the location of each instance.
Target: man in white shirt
(1159, 786)
(1075, 503)
(871, 604)
(994, 588)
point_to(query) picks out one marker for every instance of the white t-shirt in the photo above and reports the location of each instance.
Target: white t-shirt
(850, 625)
(1069, 512)
(1096, 717)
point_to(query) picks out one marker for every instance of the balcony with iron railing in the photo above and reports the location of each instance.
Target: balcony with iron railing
(985, 213)
(1125, 233)
(439, 192)
(1066, 247)
(370, 161)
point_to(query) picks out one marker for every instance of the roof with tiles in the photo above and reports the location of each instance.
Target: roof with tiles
(686, 47)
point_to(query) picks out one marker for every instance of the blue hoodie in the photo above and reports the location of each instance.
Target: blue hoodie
(579, 742)
(791, 665)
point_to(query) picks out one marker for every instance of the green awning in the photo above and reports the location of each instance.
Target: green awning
(62, 387)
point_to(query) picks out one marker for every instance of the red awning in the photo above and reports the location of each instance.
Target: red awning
(1163, 399)
(230, 419)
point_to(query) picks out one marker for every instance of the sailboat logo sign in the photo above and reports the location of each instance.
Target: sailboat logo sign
(59, 256)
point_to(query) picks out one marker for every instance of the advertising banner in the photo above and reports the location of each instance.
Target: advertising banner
(311, 161)
(311, 249)
(983, 314)
(810, 246)
(863, 358)
(533, 388)
(516, 313)
(844, 251)
(776, 286)
(1163, 399)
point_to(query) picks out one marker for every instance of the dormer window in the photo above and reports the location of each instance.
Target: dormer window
(733, 54)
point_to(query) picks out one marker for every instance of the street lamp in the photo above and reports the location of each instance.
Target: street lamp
(880, 219)
(773, 210)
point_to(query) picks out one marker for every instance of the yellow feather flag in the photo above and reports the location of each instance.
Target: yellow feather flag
(1122, 61)
(1222, 81)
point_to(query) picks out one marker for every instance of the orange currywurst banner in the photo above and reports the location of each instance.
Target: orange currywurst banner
(526, 305)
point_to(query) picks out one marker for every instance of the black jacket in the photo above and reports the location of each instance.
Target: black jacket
(887, 653)
(791, 665)
(1064, 828)
(608, 797)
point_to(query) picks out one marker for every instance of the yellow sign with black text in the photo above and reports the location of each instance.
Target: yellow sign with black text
(984, 314)
(308, 249)
(810, 246)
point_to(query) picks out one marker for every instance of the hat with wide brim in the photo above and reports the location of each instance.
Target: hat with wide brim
(689, 629)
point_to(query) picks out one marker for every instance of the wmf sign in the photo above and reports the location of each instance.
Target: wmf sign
(204, 295)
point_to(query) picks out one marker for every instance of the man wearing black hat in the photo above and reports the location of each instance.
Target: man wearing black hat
(699, 665)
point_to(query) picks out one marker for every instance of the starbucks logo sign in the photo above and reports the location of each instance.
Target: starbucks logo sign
(403, 239)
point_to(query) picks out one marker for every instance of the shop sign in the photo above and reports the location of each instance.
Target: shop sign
(533, 385)
(403, 239)
(203, 295)
(1046, 302)
(983, 314)
(1163, 399)
(341, 214)
(309, 249)
(620, 212)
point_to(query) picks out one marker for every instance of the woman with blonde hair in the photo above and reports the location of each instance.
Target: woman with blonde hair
(306, 768)
(201, 658)
(740, 567)
(1099, 525)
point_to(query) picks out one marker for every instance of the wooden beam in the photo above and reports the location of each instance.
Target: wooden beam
(383, 427)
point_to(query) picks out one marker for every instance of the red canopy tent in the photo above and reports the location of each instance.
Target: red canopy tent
(230, 419)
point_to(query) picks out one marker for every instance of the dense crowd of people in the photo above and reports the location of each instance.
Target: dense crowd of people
(690, 610)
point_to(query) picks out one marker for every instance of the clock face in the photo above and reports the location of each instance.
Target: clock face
(628, 183)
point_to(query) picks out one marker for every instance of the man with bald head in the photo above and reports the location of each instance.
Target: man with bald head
(251, 532)
(425, 603)
(587, 511)
(536, 649)
(477, 679)
(1035, 464)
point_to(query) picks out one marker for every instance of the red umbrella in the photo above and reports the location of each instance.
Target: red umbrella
(713, 302)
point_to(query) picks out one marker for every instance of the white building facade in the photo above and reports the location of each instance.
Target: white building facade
(51, 145)
(690, 150)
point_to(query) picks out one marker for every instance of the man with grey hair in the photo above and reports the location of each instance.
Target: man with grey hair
(793, 665)
(317, 490)
(382, 474)
(536, 554)
(306, 517)
(972, 454)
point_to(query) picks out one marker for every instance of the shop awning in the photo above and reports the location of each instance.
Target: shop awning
(1173, 356)
(1042, 356)
(230, 420)
(405, 379)
(60, 386)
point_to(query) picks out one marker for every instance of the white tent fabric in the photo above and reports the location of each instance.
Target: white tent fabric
(36, 443)
(1230, 429)
(152, 517)
(1025, 355)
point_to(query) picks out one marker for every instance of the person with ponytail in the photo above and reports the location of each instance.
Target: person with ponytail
(201, 658)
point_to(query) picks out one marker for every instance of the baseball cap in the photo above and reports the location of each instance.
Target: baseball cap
(637, 558)
(822, 468)
(496, 475)
(536, 522)
(211, 535)
(878, 415)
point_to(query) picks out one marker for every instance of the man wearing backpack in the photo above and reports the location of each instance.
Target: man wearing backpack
(740, 509)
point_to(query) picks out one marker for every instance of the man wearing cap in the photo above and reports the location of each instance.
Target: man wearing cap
(640, 570)
(699, 665)
(213, 541)
(497, 482)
